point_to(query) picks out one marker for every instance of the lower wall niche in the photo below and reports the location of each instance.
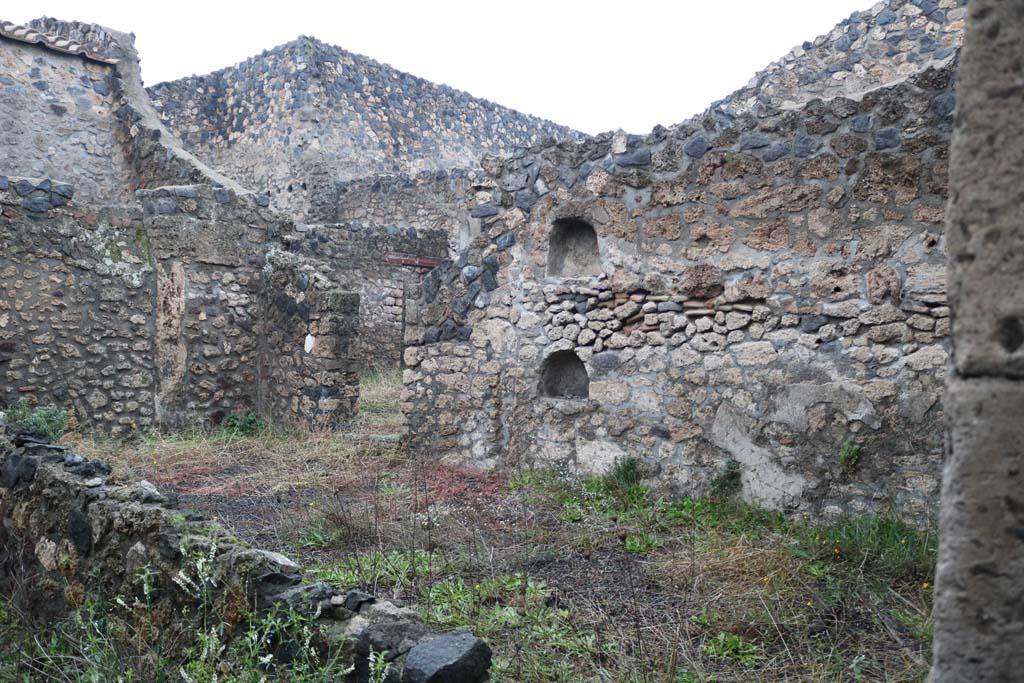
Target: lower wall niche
(563, 375)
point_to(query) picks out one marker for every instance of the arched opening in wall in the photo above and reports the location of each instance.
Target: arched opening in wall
(572, 250)
(563, 375)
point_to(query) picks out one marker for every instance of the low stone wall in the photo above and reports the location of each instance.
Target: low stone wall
(766, 291)
(381, 265)
(310, 322)
(70, 531)
(435, 200)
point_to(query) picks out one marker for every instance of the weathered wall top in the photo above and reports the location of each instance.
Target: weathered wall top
(876, 47)
(296, 119)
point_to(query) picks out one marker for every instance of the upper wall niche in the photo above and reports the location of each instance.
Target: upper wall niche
(572, 249)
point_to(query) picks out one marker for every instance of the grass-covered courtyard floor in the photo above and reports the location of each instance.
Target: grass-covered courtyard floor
(568, 580)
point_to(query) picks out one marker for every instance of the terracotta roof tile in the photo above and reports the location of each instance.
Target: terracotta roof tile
(25, 34)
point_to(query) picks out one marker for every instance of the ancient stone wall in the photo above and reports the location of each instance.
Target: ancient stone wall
(433, 200)
(381, 265)
(77, 311)
(208, 249)
(155, 307)
(71, 532)
(880, 46)
(766, 289)
(58, 120)
(296, 120)
(163, 313)
(309, 323)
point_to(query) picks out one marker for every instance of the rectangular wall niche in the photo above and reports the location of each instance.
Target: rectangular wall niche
(572, 249)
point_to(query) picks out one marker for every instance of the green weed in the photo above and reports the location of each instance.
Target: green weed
(243, 424)
(882, 547)
(49, 421)
(734, 647)
(728, 483)
(849, 456)
(642, 544)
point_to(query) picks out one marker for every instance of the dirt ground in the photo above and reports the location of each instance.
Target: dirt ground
(594, 580)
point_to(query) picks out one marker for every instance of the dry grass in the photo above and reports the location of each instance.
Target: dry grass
(202, 462)
(596, 582)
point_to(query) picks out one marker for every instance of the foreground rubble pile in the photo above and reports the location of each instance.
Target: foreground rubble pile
(71, 531)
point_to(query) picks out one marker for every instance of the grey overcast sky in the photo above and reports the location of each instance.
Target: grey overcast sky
(588, 64)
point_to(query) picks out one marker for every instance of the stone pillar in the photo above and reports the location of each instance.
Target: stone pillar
(979, 606)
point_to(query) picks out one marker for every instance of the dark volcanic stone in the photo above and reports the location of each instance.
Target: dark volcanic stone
(483, 211)
(525, 200)
(38, 204)
(887, 138)
(806, 146)
(861, 124)
(80, 531)
(776, 151)
(490, 282)
(812, 323)
(697, 147)
(355, 599)
(754, 141)
(944, 104)
(456, 657)
(638, 157)
(449, 330)
(17, 469)
(886, 16)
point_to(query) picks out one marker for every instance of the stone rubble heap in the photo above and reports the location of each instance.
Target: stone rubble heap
(71, 530)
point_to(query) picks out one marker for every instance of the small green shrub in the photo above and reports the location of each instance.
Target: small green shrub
(849, 456)
(741, 519)
(624, 473)
(728, 483)
(917, 624)
(243, 424)
(50, 421)
(607, 497)
(705, 618)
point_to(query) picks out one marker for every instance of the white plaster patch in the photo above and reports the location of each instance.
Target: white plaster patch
(765, 482)
(597, 457)
(310, 343)
(848, 398)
